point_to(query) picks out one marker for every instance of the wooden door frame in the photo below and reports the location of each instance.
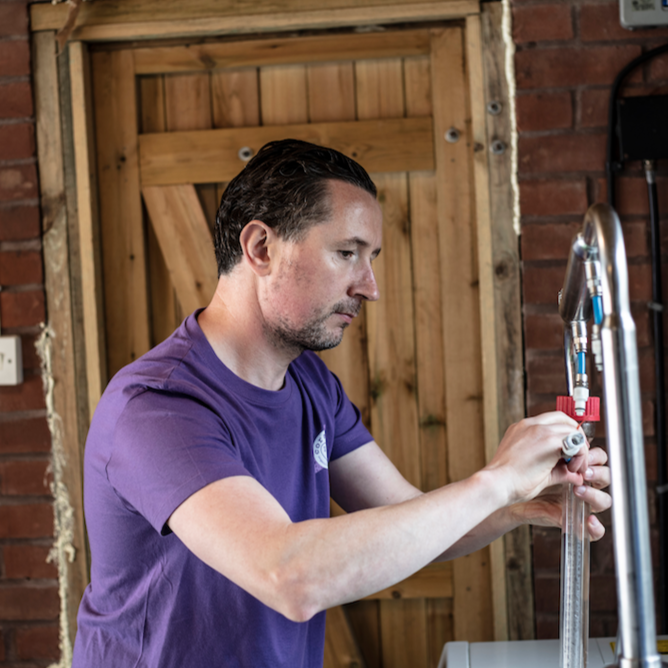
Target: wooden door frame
(71, 228)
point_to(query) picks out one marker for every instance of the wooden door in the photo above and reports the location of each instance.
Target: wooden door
(176, 122)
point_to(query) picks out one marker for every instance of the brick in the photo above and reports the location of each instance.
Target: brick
(30, 520)
(546, 594)
(544, 111)
(28, 561)
(640, 282)
(636, 238)
(658, 67)
(631, 194)
(541, 285)
(542, 23)
(14, 58)
(602, 559)
(553, 197)
(16, 100)
(593, 108)
(13, 19)
(27, 396)
(547, 627)
(25, 478)
(17, 141)
(18, 223)
(22, 309)
(576, 66)
(31, 360)
(29, 603)
(603, 593)
(562, 153)
(546, 375)
(549, 241)
(544, 331)
(20, 267)
(38, 642)
(546, 548)
(24, 436)
(600, 23)
(18, 182)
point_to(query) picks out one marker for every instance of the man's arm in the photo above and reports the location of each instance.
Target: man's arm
(236, 527)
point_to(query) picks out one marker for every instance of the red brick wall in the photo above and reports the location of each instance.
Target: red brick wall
(29, 601)
(568, 54)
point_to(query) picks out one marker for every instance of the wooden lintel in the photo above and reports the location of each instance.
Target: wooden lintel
(434, 581)
(212, 156)
(106, 20)
(280, 51)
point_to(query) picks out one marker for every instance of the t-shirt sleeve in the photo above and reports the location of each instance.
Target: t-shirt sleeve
(350, 430)
(166, 448)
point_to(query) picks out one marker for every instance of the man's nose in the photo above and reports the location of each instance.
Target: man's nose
(366, 286)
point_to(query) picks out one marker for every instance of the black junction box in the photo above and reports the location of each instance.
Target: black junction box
(642, 127)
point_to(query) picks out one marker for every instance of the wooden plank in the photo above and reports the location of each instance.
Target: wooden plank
(283, 95)
(433, 581)
(380, 100)
(211, 156)
(364, 619)
(235, 98)
(89, 224)
(331, 92)
(280, 51)
(473, 619)
(185, 241)
(488, 319)
(439, 628)
(505, 263)
(165, 311)
(105, 20)
(404, 633)
(122, 232)
(188, 102)
(63, 413)
(341, 650)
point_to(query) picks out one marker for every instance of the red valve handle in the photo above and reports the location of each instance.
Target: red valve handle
(592, 410)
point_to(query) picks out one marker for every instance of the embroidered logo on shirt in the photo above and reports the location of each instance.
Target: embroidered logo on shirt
(320, 452)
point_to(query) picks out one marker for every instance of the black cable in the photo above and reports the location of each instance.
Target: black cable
(612, 166)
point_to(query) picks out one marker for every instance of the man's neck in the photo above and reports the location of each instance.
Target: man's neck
(238, 338)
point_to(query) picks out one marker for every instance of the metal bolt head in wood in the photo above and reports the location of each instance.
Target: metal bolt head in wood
(245, 153)
(452, 135)
(498, 147)
(494, 108)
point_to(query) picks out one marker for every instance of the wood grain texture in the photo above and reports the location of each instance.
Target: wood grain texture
(89, 224)
(235, 98)
(283, 95)
(504, 261)
(211, 156)
(121, 220)
(58, 288)
(404, 633)
(106, 21)
(165, 311)
(331, 49)
(341, 650)
(185, 241)
(473, 617)
(433, 581)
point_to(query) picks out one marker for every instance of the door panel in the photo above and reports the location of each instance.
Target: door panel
(412, 361)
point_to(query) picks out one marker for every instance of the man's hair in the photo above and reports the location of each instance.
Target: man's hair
(284, 186)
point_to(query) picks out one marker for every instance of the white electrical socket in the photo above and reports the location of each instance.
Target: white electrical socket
(11, 366)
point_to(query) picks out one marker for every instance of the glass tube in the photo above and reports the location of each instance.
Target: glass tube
(574, 612)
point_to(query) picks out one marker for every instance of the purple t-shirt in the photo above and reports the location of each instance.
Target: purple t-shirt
(168, 424)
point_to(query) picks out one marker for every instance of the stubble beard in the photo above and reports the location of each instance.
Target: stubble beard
(314, 335)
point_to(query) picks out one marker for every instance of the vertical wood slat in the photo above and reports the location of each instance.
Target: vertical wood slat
(504, 263)
(89, 224)
(473, 619)
(489, 320)
(283, 94)
(235, 98)
(391, 343)
(121, 222)
(64, 418)
(165, 310)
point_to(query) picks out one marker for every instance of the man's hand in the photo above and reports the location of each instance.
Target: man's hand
(546, 508)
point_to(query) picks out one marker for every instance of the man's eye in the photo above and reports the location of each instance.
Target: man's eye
(346, 254)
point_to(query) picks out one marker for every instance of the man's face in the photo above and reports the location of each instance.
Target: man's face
(320, 282)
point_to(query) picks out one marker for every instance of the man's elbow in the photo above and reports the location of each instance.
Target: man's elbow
(295, 596)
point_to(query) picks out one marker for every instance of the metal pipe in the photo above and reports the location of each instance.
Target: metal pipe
(601, 239)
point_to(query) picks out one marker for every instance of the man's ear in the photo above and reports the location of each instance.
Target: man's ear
(255, 241)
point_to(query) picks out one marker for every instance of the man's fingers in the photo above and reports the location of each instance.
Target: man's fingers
(598, 457)
(598, 476)
(595, 528)
(596, 498)
(553, 417)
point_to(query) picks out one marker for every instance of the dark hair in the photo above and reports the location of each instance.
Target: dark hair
(284, 186)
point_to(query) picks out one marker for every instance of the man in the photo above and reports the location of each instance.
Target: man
(211, 460)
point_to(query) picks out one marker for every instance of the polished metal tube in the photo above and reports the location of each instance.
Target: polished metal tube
(602, 237)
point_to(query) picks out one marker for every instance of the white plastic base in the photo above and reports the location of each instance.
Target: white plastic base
(11, 366)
